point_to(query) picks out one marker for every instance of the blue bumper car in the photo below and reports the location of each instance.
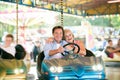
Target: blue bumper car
(71, 67)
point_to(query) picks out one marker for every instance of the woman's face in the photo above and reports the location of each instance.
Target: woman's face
(69, 37)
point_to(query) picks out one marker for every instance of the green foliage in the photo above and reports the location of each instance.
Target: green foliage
(95, 21)
(70, 20)
(106, 21)
(6, 28)
(100, 21)
(115, 21)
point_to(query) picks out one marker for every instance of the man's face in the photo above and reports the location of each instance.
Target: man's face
(37, 43)
(8, 40)
(58, 34)
(69, 37)
(110, 43)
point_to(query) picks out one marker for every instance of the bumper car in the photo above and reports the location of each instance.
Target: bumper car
(14, 68)
(115, 58)
(112, 60)
(16, 71)
(71, 67)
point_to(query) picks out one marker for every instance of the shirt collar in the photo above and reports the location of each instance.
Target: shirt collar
(56, 42)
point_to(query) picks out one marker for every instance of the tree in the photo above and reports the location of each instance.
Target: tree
(115, 21)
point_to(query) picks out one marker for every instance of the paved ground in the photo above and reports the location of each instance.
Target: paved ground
(32, 74)
(113, 73)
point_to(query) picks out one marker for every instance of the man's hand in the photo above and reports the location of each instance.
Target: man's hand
(117, 49)
(60, 49)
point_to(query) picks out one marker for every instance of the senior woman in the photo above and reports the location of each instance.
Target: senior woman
(69, 37)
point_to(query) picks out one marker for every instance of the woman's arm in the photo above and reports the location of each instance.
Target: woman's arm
(82, 48)
(49, 40)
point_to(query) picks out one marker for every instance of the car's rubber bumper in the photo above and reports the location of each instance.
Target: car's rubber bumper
(16, 77)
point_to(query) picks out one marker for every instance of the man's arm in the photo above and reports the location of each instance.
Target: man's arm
(59, 50)
(48, 51)
(110, 50)
(116, 50)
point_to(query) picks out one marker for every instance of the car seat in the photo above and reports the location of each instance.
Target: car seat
(89, 53)
(39, 61)
(20, 52)
(5, 55)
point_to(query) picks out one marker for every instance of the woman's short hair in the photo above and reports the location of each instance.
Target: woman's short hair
(68, 30)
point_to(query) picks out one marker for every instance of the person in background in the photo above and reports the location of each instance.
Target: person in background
(54, 49)
(36, 49)
(7, 50)
(9, 54)
(110, 49)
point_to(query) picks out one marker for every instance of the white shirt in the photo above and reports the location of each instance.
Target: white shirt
(52, 46)
(10, 49)
(58, 55)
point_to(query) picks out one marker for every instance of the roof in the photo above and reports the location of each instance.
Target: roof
(91, 7)
(77, 7)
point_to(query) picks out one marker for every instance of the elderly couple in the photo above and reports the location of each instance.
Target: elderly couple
(54, 46)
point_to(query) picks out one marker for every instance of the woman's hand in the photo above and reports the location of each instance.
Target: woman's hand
(82, 53)
(49, 40)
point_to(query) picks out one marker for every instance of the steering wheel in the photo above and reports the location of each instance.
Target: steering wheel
(71, 52)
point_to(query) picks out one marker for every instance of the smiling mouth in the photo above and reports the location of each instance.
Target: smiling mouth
(70, 39)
